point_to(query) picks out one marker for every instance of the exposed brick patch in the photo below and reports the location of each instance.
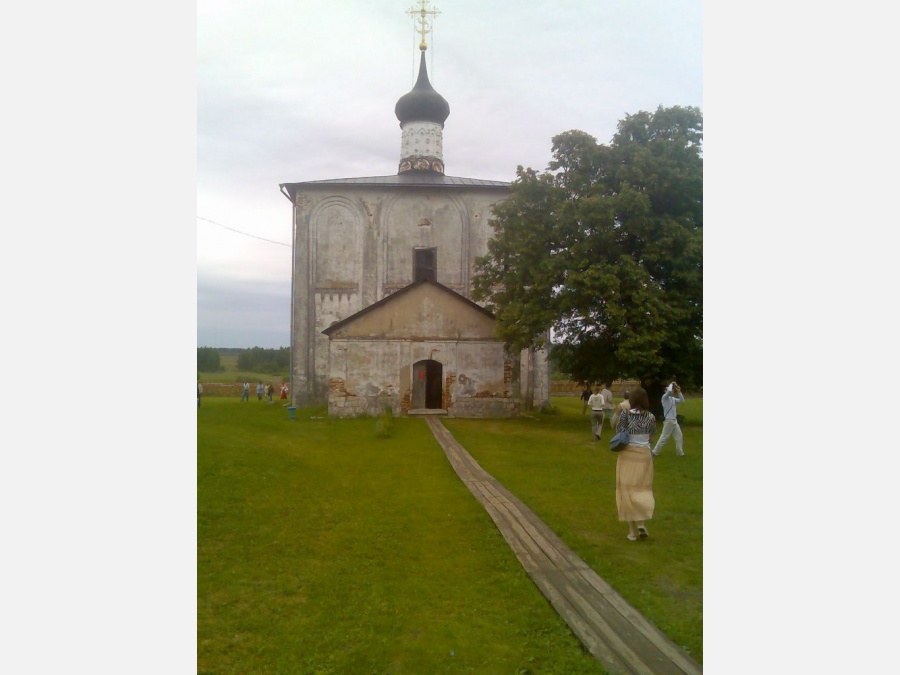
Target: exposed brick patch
(406, 402)
(446, 398)
(336, 388)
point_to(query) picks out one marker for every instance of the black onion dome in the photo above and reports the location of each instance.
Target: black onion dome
(423, 103)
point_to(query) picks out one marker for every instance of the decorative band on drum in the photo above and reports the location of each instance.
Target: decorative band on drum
(421, 164)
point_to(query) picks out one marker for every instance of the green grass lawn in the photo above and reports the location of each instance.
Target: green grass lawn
(552, 463)
(323, 548)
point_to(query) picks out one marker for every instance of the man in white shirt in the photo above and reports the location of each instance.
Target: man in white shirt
(607, 403)
(595, 403)
(672, 396)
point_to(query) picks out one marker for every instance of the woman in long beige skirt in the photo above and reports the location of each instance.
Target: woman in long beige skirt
(634, 466)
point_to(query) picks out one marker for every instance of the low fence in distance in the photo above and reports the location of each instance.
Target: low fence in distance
(236, 388)
(557, 388)
(570, 388)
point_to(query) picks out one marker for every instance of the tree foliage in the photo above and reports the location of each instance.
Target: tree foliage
(604, 249)
(208, 360)
(262, 360)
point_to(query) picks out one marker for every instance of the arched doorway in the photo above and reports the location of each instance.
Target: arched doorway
(427, 387)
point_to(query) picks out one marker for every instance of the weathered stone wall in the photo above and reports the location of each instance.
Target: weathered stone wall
(344, 403)
(485, 407)
(354, 246)
(536, 365)
(367, 375)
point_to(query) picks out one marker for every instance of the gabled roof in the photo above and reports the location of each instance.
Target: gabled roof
(406, 179)
(398, 295)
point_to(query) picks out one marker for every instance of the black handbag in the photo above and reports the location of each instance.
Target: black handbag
(619, 441)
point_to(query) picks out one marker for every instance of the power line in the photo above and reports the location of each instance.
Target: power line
(243, 233)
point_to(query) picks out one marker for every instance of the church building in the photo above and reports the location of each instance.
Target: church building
(382, 314)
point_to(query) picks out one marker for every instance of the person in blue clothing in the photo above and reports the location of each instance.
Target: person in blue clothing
(260, 390)
(670, 398)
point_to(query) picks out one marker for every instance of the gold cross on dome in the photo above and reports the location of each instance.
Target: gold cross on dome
(420, 16)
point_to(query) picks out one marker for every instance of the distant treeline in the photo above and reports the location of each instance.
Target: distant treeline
(255, 359)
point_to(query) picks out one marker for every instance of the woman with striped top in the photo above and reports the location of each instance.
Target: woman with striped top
(634, 466)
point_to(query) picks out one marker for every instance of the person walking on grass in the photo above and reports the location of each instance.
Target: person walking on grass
(595, 403)
(585, 396)
(260, 389)
(634, 466)
(617, 413)
(670, 398)
(199, 393)
(245, 392)
(607, 403)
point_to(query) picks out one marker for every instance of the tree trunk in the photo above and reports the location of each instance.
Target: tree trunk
(655, 390)
(528, 398)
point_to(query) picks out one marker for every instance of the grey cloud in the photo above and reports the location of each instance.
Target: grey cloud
(297, 92)
(236, 313)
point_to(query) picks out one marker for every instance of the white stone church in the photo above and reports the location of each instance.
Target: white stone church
(382, 314)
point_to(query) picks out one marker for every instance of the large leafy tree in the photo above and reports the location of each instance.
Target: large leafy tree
(603, 250)
(208, 360)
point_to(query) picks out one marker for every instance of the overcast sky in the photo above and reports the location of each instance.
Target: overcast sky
(291, 91)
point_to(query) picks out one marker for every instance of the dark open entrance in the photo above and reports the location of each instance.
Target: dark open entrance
(427, 389)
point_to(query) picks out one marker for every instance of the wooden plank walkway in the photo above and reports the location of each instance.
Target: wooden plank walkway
(611, 629)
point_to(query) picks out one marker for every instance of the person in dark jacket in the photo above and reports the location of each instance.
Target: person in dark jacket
(585, 395)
